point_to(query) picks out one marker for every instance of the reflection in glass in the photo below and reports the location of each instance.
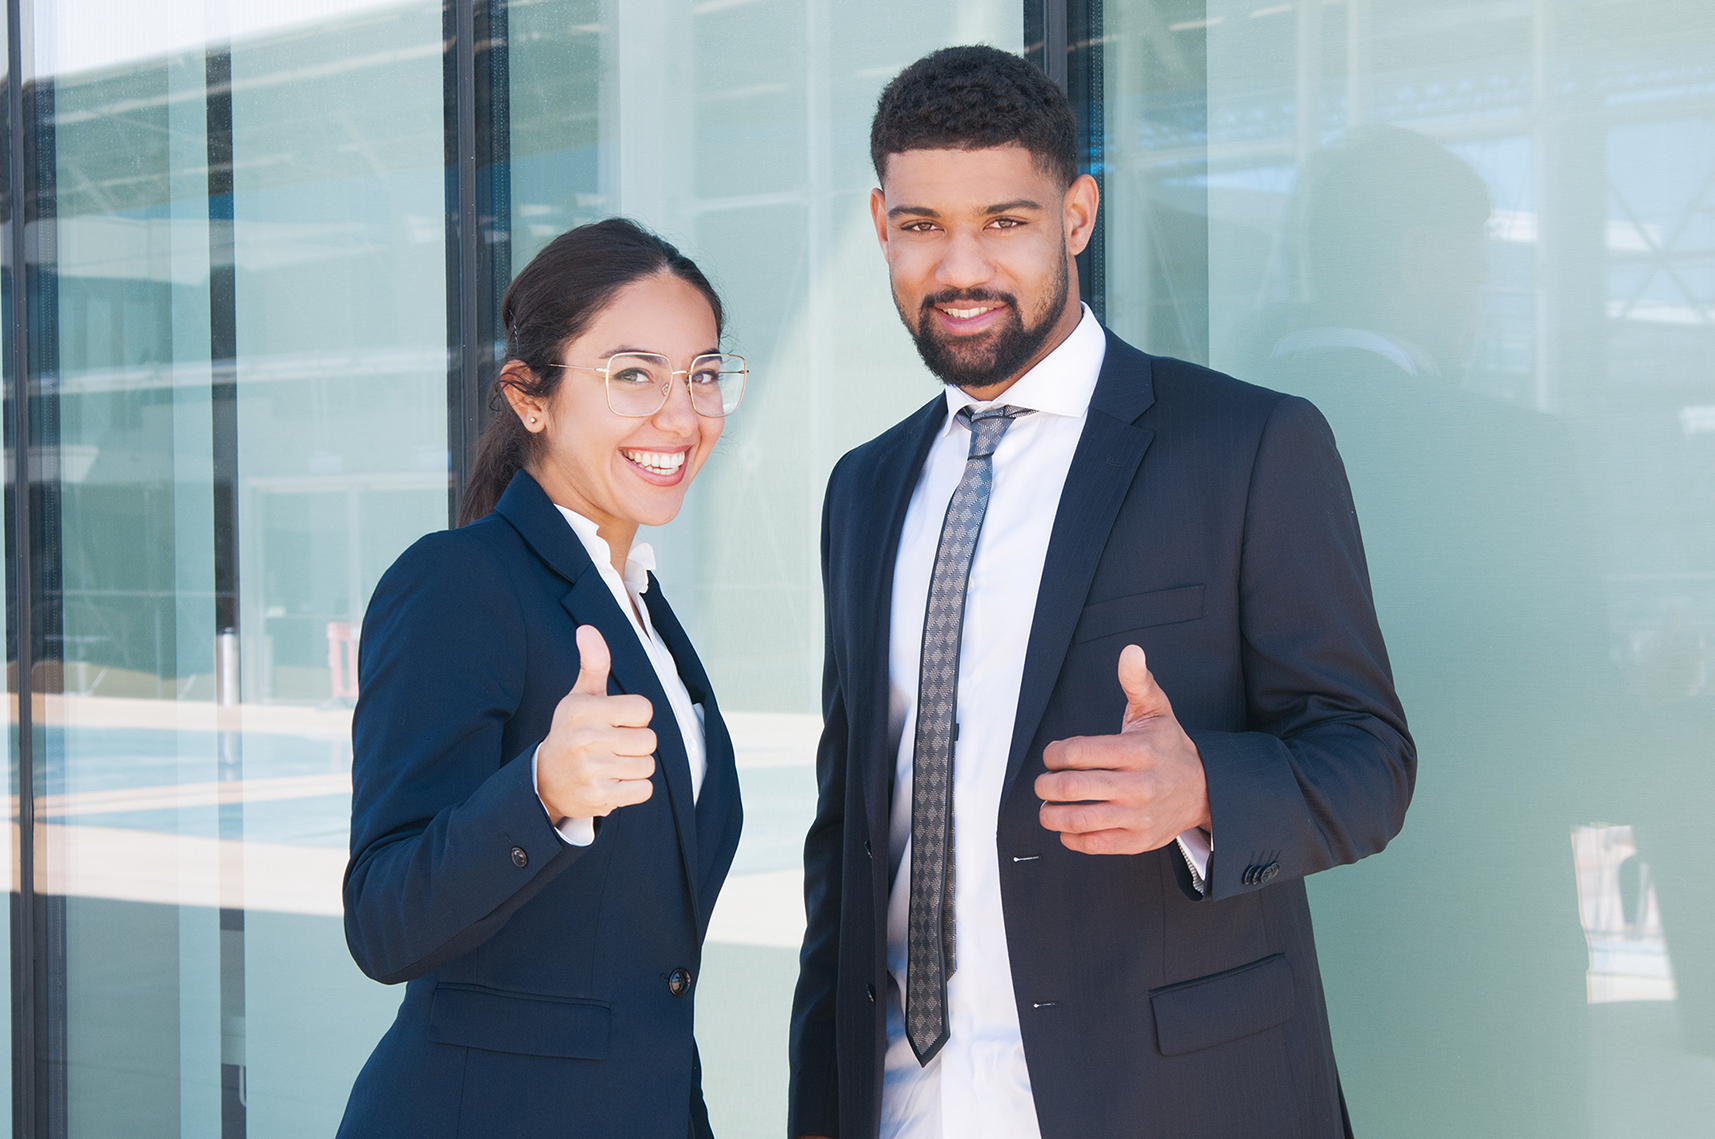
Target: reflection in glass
(252, 395)
(739, 131)
(1480, 240)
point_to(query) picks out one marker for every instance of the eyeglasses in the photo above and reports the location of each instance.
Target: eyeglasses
(639, 383)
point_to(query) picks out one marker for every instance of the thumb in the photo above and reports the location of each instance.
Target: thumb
(1143, 697)
(593, 662)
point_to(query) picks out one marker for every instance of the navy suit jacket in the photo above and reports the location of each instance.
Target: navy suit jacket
(1208, 521)
(538, 1001)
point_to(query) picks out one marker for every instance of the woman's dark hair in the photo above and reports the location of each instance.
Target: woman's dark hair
(553, 300)
(972, 98)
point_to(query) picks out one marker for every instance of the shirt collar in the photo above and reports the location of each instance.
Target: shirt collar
(1060, 384)
(639, 561)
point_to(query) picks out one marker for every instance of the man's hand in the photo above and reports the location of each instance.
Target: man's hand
(599, 754)
(1132, 792)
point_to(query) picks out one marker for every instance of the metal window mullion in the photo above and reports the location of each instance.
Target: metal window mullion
(24, 1068)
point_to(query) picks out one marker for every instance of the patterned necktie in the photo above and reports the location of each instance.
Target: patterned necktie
(930, 934)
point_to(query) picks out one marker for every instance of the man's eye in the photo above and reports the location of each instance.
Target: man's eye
(1006, 223)
(919, 226)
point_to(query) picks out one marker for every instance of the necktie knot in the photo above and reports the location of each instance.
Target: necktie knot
(988, 425)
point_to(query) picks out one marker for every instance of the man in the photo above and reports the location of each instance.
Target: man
(1055, 885)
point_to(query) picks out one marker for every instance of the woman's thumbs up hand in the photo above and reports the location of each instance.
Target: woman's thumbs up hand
(599, 754)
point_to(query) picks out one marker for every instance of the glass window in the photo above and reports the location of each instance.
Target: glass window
(249, 336)
(1479, 238)
(739, 129)
(243, 325)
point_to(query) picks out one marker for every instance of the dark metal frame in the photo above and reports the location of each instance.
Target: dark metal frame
(1064, 39)
(479, 222)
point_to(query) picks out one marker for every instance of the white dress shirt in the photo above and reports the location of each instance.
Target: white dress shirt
(978, 1086)
(628, 593)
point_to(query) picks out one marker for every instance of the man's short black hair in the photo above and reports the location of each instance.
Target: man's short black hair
(973, 98)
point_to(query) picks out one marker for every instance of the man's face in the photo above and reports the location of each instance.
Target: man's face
(979, 247)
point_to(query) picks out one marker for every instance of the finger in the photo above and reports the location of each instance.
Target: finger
(628, 712)
(1082, 818)
(630, 792)
(1079, 787)
(1143, 697)
(1087, 753)
(593, 662)
(632, 743)
(1106, 842)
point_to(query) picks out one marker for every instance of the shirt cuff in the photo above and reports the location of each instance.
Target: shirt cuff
(1195, 845)
(576, 832)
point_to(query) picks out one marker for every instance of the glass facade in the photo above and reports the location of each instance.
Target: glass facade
(253, 261)
(1480, 238)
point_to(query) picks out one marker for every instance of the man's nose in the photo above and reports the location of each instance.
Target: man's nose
(964, 264)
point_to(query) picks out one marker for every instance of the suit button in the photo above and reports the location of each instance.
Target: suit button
(679, 982)
(519, 858)
(1268, 873)
(1249, 876)
(871, 990)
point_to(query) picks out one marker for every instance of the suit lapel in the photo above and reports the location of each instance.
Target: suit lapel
(892, 478)
(717, 812)
(1103, 468)
(591, 602)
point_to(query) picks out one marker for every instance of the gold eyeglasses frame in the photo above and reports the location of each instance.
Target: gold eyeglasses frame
(667, 388)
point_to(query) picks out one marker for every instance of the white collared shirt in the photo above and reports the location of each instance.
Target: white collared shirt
(977, 1086)
(628, 594)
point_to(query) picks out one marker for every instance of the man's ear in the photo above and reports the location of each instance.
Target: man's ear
(1083, 198)
(878, 214)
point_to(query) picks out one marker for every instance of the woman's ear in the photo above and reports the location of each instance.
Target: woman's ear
(515, 380)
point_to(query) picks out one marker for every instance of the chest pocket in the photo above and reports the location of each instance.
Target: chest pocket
(1139, 611)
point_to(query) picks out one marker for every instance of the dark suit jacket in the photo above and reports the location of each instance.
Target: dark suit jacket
(1208, 521)
(538, 1001)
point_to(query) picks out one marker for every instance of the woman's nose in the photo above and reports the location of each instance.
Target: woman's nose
(678, 410)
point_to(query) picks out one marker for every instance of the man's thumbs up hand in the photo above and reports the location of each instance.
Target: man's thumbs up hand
(1131, 792)
(1144, 699)
(599, 754)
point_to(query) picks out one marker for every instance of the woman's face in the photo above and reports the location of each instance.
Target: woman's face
(621, 472)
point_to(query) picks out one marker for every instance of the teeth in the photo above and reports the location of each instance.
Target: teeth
(967, 313)
(662, 463)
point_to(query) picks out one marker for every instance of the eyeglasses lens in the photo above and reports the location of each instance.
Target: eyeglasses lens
(638, 384)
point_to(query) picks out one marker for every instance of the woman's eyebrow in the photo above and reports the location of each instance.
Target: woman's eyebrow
(623, 349)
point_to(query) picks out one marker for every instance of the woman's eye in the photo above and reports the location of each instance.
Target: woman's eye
(707, 376)
(636, 377)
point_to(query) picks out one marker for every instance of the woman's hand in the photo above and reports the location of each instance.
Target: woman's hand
(599, 754)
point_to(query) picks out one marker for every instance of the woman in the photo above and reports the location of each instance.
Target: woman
(544, 803)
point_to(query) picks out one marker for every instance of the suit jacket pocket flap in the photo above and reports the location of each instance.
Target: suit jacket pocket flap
(529, 1025)
(1140, 611)
(1223, 1006)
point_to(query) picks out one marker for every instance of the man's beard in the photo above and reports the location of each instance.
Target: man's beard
(999, 356)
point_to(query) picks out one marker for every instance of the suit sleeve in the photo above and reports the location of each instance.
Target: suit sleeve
(814, 1094)
(448, 838)
(1325, 774)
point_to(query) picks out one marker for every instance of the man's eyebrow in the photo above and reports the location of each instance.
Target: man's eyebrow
(1017, 204)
